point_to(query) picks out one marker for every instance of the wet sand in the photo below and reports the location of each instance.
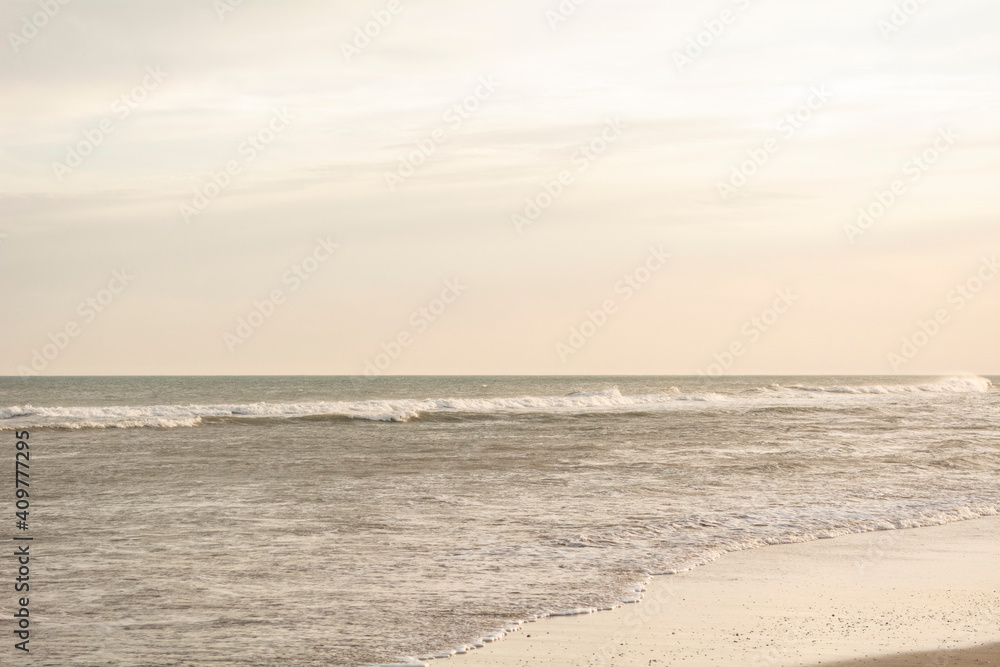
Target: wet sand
(924, 596)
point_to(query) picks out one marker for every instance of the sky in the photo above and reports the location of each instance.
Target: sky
(741, 187)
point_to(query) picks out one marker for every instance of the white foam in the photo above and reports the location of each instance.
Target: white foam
(405, 409)
(953, 385)
(398, 410)
(639, 588)
(579, 611)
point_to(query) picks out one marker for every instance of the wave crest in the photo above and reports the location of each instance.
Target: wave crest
(952, 385)
(401, 410)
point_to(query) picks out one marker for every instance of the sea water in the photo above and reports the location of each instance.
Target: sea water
(339, 520)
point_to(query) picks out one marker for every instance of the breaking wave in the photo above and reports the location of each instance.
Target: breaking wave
(954, 385)
(402, 410)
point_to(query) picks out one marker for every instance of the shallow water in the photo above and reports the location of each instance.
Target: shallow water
(350, 520)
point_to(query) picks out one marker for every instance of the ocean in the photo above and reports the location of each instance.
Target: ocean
(356, 520)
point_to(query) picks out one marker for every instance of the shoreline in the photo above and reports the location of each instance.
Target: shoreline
(910, 596)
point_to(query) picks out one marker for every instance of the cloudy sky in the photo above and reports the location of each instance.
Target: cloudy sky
(617, 186)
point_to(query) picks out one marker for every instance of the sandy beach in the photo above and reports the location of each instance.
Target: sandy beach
(926, 596)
